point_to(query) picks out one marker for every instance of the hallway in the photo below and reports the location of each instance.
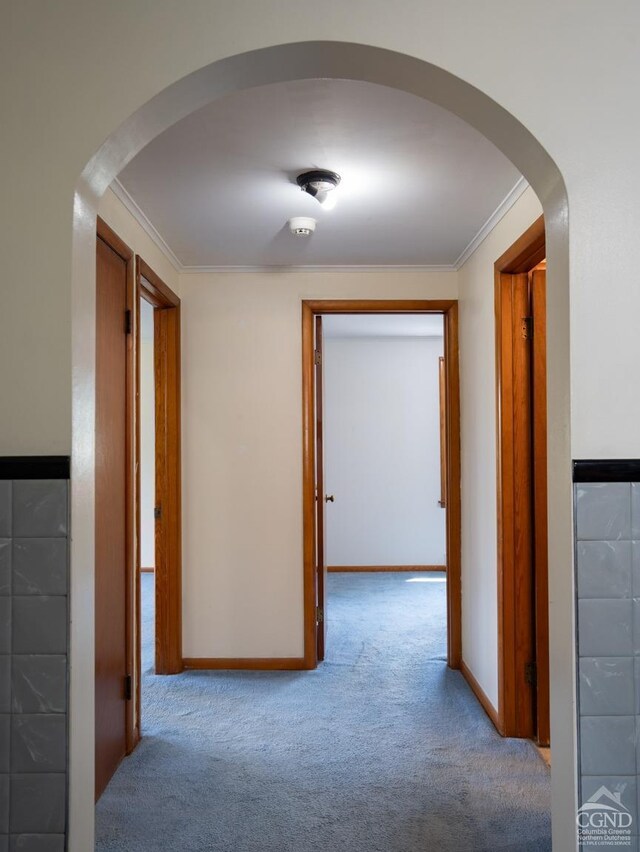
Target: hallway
(381, 749)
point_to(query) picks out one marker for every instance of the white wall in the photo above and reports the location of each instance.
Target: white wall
(147, 439)
(126, 226)
(382, 451)
(242, 450)
(70, 92)
(478, 444)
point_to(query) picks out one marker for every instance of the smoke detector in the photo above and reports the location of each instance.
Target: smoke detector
(302, 226)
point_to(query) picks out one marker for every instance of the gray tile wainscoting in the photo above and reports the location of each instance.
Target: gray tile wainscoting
(34, 579)
(607, 531)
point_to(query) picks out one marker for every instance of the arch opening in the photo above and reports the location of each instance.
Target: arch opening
(283, 63)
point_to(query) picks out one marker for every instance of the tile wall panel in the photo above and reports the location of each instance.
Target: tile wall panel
(607, 547)
(34, 579)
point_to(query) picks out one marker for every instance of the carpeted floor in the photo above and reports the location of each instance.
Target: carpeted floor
(382, 749)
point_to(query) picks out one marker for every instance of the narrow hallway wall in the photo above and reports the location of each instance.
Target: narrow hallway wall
(478, 444)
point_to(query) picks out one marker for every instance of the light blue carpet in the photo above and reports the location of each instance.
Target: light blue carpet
(382, 749)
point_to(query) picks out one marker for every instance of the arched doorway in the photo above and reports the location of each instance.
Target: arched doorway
(275, 64)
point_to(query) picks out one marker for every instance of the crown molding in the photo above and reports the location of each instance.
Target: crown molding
(145, 223)
(208, 270)
(505, 205)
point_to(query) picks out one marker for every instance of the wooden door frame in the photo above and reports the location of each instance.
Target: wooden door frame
(449, 309)
(168, 471)
(116, 244)
(514, 633)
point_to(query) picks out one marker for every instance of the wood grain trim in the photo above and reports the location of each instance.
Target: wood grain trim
(109, 236)
(168, 492)
(147, 570)
(442, 392)
(137, 679)
(454, 502)
(168, 463)
(527, 252)
(516, 607)
(481, 695)
(449, 308)
(379, 306)
(308, 488)
(155, 290)
(540, 491)
(245, 663)
(345, 569)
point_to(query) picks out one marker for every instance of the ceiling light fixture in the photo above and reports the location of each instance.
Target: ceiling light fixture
(319, 183)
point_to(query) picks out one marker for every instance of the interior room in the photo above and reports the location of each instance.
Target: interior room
(246, 169)
(239, 269)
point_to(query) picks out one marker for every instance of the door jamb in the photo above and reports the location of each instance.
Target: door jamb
(525, 254)
(449, 309)
(110, 238)
(168, 575)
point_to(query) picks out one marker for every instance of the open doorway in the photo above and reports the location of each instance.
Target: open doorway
(385, 516)
(147, 467)
(317, 612)
(158, 509)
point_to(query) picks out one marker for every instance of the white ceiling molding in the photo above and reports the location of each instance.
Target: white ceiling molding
(203, 270)
(505, 205)
(139, 215)
(145, 223)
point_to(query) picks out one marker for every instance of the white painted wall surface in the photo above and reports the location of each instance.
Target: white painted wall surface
(478, 444)
(116, 215)
(382, 451)
(147, 439)
(569, 102)
(242, 450)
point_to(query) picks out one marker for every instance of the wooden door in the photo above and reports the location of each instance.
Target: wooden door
(321, 567)
(537, 294)
(111, 534)
(522, 524)
(522, 495)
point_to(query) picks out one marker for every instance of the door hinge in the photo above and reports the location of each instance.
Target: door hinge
(317, 357)
(128, 688)
(527, 328)
(319, 614)
(531, 674)
(128, 324)
(157, 512)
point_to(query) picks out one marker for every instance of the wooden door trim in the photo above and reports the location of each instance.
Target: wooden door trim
(540, 490)
(167, 372)
(153, 288)
(105, 233)
(442, 393)
(527, 252)
(321, 563)
(449, 309)
(514, 635)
